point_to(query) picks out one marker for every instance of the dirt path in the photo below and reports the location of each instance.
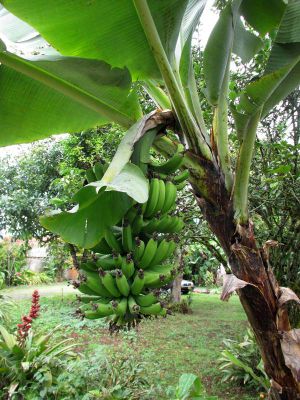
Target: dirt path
(25, 292)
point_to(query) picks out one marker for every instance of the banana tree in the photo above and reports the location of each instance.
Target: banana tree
(91, 53)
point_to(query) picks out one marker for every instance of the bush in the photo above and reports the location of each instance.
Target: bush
(58, 260)
(98, 376)
(124, 379)
(6, 306)
(241, 363)
(209, 279)
(184, 307)
(12, 260)
(189, 388)
(28, 363)
(28, 277)
(120, 379)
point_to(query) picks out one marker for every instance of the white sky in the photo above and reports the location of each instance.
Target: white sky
(208, 20)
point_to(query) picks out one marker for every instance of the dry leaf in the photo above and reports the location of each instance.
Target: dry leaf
(230, 284)
(290, 344)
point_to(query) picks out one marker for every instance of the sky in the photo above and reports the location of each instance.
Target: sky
(208, 20)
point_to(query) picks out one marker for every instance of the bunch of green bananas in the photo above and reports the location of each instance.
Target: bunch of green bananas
(130, 262)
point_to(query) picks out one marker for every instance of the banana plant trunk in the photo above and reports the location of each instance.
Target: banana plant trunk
(252, 277)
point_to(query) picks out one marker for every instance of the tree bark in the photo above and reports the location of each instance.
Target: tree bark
(176, 289)
(257, 287)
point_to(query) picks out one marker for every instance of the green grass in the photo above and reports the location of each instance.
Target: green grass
(170, 346)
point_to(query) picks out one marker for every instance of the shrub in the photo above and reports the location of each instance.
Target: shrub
(27, 361)
(28, 277)
(58, 260)
(189, 388)
(241, 363)
(104, 377)
(6, 306)
(12, 259)
(124, 379)
(209, 279)
(184, 307)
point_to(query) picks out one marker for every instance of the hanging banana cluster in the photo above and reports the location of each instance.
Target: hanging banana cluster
(130, 263)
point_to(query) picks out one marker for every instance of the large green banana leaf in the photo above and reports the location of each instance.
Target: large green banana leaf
(229, 35)
(86, 223)
(58, 94)
(282, 74)
(67, 94)
(106, 30)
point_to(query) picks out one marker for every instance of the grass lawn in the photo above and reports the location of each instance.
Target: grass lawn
(169, 347)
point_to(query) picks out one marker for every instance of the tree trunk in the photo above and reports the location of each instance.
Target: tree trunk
(176, 289)
(262, 298)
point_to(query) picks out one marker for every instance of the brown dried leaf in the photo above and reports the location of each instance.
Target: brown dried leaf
(290, 344)
(230, 284)
(287, 295)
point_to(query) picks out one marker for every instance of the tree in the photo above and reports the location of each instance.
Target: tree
(77, 89)
(26, 190)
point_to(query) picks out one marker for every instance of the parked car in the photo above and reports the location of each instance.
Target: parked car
(186, 286)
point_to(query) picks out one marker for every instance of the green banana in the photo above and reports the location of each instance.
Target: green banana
(149, 254)
(83, 288)
(122, 283)
(154, 309)
(120, 321)
(163, 269)
(153, 197)
(138, 249)
(112, 241)
(137, 224)
(164, 224)
(127, 266)
(154, 280)
(93, 281)
(91, 315)
(170, 197)
(109, 283)
(182, 177)
(90, 176)
(161, 253)
(181, 185)
(85, 307)
(102, 300)
(88, 299)
(98, 171)
(171, 248)
(127, 237)
(133, 307)
(163, 176)
(109, 262)
(120, 307)
(138, 283)
(151, 226)
(170, 166)
(102, 310)
(89, 266)
(161, 197)
(145, 300)
(176, 226)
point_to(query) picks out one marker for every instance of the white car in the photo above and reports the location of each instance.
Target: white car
(186, 286)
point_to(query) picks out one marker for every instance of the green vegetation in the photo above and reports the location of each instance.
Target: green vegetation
(164, 348)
